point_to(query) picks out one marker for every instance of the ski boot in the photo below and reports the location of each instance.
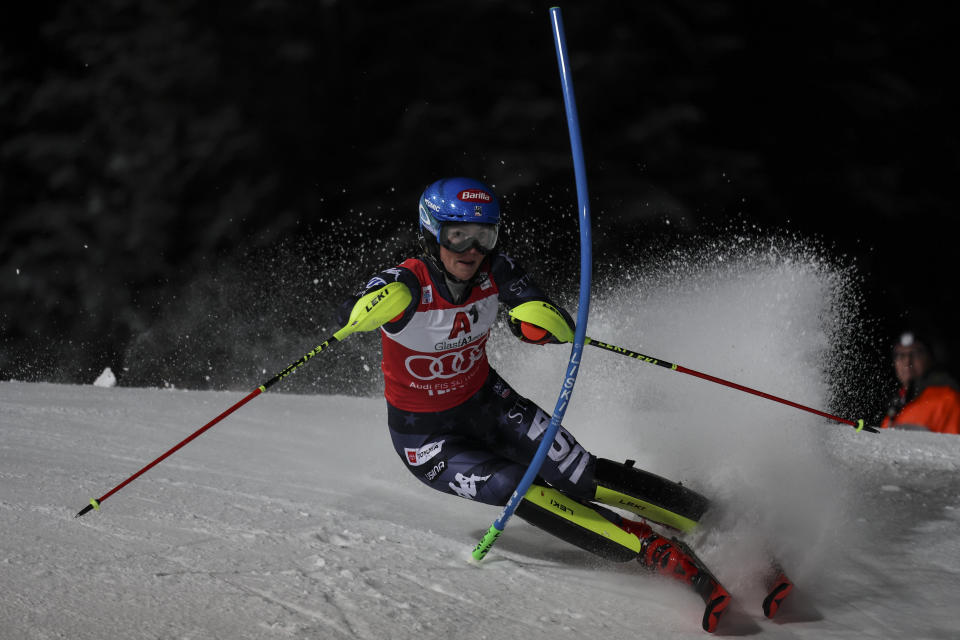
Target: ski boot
(778, 588)
(675, 559)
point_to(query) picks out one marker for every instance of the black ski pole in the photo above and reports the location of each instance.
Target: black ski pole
(369, 312)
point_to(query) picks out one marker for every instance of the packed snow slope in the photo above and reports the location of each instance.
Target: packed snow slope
(294, 518)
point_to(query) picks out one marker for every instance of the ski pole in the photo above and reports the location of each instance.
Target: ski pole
(547, 318)
(370, 311)
(859, 425)
(583, 311)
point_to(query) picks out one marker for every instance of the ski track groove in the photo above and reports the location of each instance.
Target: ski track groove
(320, 619)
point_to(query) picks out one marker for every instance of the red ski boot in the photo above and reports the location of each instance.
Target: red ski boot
(779, 588)
(675, 559)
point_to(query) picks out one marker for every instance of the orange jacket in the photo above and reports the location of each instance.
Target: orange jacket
(937, 408)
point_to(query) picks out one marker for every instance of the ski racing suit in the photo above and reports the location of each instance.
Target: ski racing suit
(458, 426)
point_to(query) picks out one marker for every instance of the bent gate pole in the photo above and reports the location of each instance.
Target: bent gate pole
(583, 311)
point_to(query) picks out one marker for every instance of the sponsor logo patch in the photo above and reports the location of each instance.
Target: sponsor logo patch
(483, 279)
(426, 220)
(466, 486)
(417, 457)
(426, 294)
(447, 365)
(435, 471)
(474, 195)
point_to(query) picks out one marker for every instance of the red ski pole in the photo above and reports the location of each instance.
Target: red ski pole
(859, 425)
(95, 502)
(370, 311)
(547, 318)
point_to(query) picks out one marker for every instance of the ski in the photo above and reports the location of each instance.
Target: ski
(779, 587)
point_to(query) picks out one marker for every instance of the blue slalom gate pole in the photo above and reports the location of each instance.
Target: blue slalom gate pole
(586, 259)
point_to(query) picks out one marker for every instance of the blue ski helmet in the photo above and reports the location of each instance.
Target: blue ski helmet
(457, 200)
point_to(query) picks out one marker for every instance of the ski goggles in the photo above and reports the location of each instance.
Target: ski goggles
(460, 236)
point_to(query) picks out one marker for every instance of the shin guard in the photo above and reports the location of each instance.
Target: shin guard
(584, 526)
(658, 499)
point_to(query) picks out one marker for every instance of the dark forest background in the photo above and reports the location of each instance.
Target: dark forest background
(247, 162)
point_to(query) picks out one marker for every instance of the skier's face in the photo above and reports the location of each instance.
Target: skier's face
(461, 266)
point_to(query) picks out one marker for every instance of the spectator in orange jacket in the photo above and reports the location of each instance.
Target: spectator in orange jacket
(928, 398)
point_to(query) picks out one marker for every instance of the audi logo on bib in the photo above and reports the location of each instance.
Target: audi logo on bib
(447, 365)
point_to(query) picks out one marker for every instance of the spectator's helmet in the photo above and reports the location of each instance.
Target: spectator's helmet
(923, 335)
(910, 338)
(458, 213)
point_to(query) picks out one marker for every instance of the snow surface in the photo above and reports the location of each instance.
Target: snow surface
(294, 518)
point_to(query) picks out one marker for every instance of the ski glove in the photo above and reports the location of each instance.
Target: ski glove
(539, 322)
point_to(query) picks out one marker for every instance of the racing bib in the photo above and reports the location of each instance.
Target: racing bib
(439, 358)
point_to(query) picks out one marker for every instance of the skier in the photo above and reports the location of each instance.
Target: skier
(462, 429)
